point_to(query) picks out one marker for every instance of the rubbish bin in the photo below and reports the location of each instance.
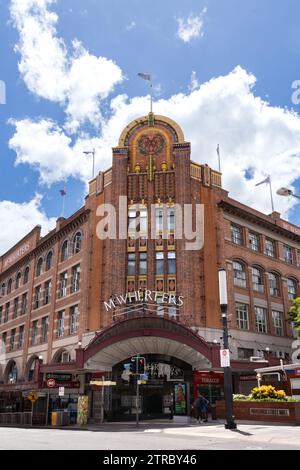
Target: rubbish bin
(213, 410)
(54, 418)
(64, 418)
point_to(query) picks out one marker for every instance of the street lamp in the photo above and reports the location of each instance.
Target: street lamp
(91, 152)
(230, 424)
(286, 193)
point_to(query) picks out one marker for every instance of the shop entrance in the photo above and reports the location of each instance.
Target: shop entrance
(166, 386)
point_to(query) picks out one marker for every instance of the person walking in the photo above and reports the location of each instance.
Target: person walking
(200, 407)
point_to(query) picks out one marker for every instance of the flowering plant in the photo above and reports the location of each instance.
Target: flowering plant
(267, 391)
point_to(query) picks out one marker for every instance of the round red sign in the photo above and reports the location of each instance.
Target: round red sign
(51, 383)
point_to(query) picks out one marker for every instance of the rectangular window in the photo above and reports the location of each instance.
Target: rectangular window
(244, 353)
(159, 263)
(24, 304)
(257, 279)
(16, 306)
(143, 221)
(132, 221)
(3, 345)
(131, 271)
(288, 254)
(34, 332)
(48, 286)
(37, 297)
(12, 339)
(63, 281)
(254, 241)
(21, 337)
(73, 319)
(274, 284)
(6, 316)
(171, 262)
(143, 264)
(292, 290)
(159, 219)
(277, 323)
(60, 324)
(45, 327)
(75, 278)
(270, 248)
(236, 234)
(242, 319)
(171, 219)
(260, 320)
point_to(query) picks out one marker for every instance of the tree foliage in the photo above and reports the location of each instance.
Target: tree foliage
(294, 314)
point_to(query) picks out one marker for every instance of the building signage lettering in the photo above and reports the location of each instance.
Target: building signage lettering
(143, 296)
(11, 259)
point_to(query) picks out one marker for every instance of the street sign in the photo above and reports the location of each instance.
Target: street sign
(102, 383)
(61, 391)
(32, 396)
(225, 357)
(51, 383)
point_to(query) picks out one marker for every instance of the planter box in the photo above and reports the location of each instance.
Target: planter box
(272, 412)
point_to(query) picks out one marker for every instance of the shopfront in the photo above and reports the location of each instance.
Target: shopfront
(166, 385)
(210, 384)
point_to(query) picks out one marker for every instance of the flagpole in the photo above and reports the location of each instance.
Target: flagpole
(219, 157)
(271, 193)
(151, 97)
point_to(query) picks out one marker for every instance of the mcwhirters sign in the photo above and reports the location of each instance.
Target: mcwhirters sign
(161, 298)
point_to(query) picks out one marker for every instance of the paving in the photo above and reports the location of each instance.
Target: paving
(153, 436)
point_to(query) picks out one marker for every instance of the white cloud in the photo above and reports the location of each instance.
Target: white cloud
(77, 80)
(131, 26)
(20, 219)
(194, 83)
(191, 27)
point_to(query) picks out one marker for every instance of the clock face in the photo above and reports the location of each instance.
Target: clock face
(151, 145)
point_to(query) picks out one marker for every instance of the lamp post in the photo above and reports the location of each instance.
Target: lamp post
(230, 424)
(286, 193)
(91, 152)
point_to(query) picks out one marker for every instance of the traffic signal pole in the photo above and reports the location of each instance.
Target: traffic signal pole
(137, 389)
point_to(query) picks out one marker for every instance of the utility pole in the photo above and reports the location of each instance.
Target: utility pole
(230, 424)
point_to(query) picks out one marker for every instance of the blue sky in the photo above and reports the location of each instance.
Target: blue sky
(226, 78)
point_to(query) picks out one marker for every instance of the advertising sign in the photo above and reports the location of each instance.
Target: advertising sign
(180, 399)
(225, 357)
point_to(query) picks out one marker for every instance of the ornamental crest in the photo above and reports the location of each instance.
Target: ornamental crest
(151, 145)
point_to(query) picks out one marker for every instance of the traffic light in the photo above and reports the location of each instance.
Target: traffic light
(141, 365)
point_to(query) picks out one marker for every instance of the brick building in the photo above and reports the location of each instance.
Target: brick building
(78, 303)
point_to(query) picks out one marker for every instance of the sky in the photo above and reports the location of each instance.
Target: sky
(226, 71)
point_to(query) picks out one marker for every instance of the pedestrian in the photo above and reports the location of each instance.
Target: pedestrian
(200, 407)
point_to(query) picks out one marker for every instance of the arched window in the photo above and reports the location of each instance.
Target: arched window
(257, 279)
(64, 250)
(9, 284)
(30, 368)
(49, 260)
(12, 373)
(39, 267)
(274, 284)
(62, 357)
(77, 242)
(239, 274)
(292, 289)
(26, 275)
(18, 280)
(3, 289)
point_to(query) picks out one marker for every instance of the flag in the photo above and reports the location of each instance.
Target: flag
(145, 76)
(62, 192)
(218, 150)
(267, 180)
